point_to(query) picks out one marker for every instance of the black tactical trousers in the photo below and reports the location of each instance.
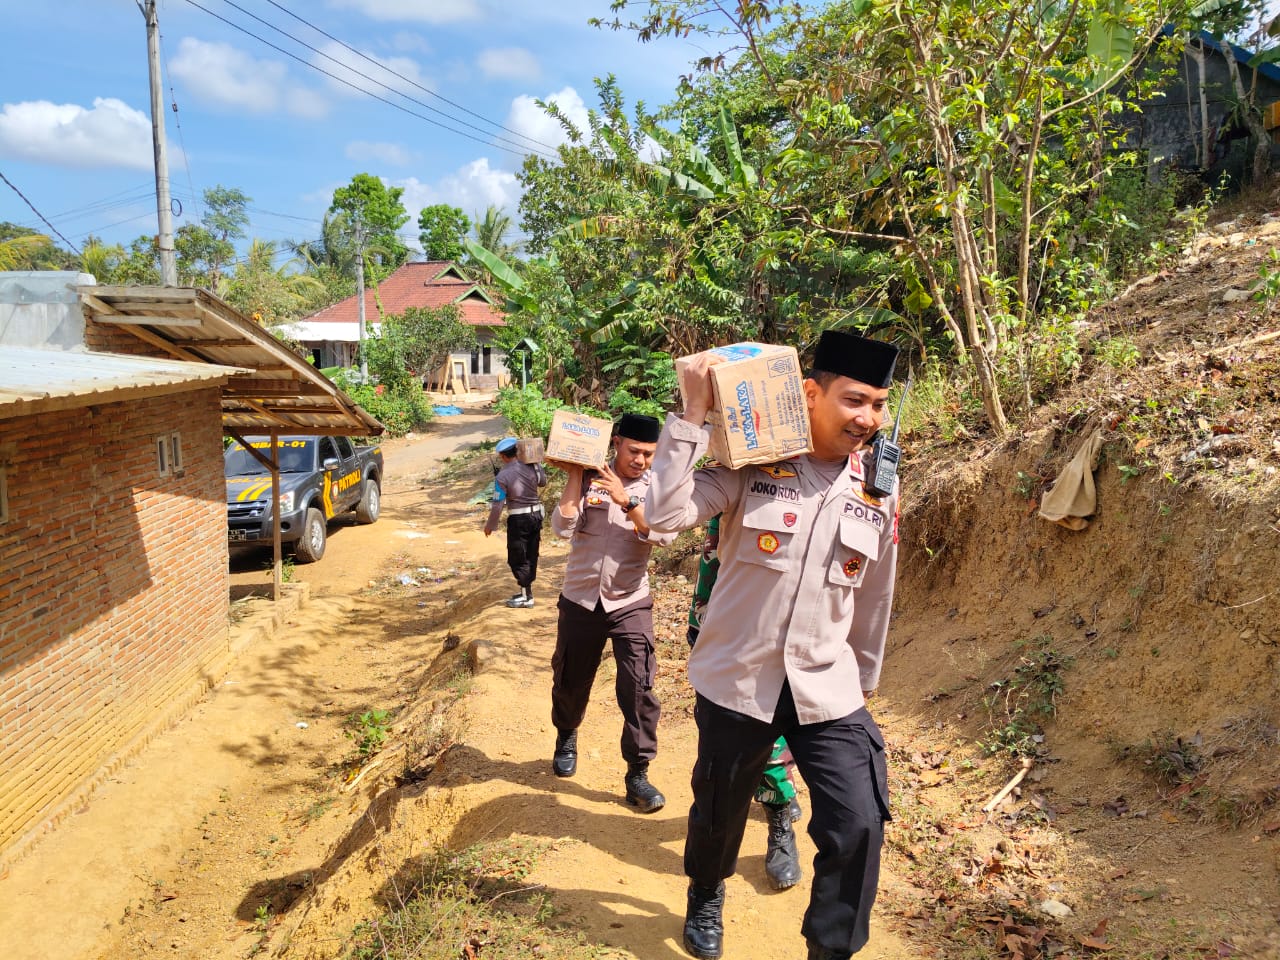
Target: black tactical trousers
(579, 645)
(842, 762)
(524, 540)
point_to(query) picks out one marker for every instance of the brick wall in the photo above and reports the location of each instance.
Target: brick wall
(109, 338)
(113, 594)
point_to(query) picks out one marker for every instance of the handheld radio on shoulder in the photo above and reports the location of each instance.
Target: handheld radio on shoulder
(885, 454)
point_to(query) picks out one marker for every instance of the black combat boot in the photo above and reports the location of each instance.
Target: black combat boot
(795, 810)
(640, 792)
(704, 922)
(781, 858)
(817, 952)
(565, 761)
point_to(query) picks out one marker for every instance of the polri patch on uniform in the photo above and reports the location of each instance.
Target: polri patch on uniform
(768, 543)
(789, 519)
(779, 471)
(852, 566)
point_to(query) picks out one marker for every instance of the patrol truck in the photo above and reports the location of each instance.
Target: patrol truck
(320, 478)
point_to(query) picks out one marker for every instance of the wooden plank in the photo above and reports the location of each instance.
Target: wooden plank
(171, 348)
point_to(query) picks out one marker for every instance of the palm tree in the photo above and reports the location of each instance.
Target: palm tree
(269, 294)
(16, 252)
(491, 232)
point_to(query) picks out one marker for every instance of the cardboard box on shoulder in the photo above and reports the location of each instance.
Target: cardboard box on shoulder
(760, 414)
(577, 438)
(529, 450)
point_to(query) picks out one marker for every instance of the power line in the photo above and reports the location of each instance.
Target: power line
(348, 83)
(177, 122)
(39, 214)
(425, 90)
(365, 76)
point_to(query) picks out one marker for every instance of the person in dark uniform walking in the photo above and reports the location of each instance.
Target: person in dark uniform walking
(606, 597)
(516, 488)
(792, 640)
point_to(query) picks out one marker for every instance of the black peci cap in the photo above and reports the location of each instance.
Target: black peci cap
(636, 426)
(858, 358)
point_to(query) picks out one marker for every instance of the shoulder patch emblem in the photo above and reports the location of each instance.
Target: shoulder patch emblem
(866, 497)
(779, 471)
(768, 543)
(852, 566)
(789, 519)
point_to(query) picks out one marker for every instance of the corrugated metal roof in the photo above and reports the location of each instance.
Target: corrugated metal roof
(279, 391)
(39, 381)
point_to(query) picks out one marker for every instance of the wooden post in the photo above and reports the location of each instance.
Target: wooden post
(276, 566)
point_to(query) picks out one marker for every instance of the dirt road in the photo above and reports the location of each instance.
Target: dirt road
(237, 831)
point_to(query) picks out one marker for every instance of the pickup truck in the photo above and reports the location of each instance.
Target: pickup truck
(320, 477)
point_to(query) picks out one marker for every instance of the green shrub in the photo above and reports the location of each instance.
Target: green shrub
(527, 410)
(400, 408)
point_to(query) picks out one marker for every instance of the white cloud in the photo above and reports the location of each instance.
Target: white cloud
(474, 188)
(530, 120)
(424, 11)
(365, 152)
(408, 42)
(355, 65)
(112, 134)
(509, 62)
(223, 75)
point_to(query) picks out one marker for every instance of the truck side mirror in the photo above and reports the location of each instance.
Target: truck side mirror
(331, 463)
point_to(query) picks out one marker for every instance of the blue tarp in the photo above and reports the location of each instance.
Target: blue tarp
(446, 411)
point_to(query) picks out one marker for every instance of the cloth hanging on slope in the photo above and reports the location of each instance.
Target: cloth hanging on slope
(1073, 497)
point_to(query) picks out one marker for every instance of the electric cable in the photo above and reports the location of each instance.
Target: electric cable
(73, 247)
(332, 76)
(425, 90)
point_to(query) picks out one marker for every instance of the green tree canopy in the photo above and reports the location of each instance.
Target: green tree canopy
(442, 229)
(374, 214)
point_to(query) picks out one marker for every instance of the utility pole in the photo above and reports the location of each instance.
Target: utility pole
(168, 264)
(364, 364)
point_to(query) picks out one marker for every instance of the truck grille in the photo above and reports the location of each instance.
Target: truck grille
(254, 510)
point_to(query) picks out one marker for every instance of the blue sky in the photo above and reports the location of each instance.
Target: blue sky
(75, 135)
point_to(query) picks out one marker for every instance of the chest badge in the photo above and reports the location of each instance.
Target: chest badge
(789, 519)
(779, 471)
(852, 566)
(768, 543)
(866, 497)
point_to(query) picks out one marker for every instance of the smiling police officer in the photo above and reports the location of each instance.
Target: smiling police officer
(792, 639)
(606, 596)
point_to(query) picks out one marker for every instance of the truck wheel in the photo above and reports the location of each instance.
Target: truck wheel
(370, 505)
(310, 547)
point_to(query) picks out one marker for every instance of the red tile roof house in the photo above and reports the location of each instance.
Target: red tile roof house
(332, 334)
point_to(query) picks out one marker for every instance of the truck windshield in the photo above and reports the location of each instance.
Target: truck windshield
(296, 456)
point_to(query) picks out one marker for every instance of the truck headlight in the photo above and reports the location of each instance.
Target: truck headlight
(286, 502)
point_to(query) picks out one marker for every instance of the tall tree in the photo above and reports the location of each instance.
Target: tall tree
(374, 214)
(955, 134)
(225, 218)
(442, 230)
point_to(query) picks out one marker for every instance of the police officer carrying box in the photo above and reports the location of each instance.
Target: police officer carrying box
(516, 488)
(792, 639)
(606, 596)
